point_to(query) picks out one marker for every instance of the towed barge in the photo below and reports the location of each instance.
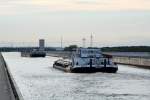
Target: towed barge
(87, 60)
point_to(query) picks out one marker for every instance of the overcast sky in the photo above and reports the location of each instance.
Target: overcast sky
(112, 22)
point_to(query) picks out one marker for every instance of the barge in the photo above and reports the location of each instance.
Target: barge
(39, 52)
(87, 60)
(34, 53)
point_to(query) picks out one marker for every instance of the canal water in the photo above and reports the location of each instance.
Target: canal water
(37, 80)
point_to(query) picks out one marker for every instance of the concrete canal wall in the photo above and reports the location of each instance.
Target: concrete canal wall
(64, 54)
(138, 59)
(143, 62)
(6, 92)
(8, 87)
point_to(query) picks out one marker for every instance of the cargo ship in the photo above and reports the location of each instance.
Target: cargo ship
(38, 52)
(34, 53)
(87, 60)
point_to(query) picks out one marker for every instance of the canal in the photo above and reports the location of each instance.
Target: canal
(37, 80)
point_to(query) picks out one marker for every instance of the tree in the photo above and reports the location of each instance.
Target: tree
(71, 48)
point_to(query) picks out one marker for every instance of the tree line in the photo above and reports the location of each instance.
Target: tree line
(116, 49)
(73, 48)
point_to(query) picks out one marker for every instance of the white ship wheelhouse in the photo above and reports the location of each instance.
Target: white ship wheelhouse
(89, 53)
(89, 57)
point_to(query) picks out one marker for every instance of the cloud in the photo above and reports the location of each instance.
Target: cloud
(95, 2)
(39, 6)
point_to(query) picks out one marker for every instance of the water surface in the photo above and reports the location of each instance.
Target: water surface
(37, 80)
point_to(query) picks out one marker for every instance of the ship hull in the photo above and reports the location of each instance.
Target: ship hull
(65, 69)
(107, 69)
(75, 70)
(29, 54)
(86, 69)
(83, 70)
(37, 55)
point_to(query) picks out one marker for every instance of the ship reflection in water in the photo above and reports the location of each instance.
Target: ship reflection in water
(38, 80)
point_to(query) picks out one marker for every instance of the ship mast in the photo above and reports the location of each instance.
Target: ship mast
(61, 42)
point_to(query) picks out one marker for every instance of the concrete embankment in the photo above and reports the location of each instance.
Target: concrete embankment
(6, 92)
(140, 62)
(64, 54)
(132, 58)
(8, 87)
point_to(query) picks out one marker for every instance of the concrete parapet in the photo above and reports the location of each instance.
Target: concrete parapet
(64, 54)
(14, 92)
(137, 61)
(6, 92)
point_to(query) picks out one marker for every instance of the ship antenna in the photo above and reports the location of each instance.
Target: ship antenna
(91, 44)
(61, 42)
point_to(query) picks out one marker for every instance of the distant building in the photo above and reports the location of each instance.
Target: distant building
(41, 44)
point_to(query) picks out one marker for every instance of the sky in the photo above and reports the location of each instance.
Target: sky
(111, 22)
